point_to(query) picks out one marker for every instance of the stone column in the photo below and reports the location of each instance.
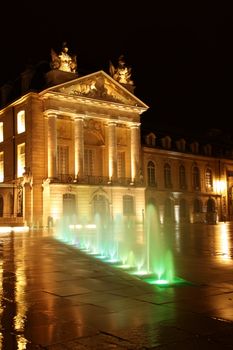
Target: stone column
(78, 147)
(112, 151)
(135, 144)
(52, 145)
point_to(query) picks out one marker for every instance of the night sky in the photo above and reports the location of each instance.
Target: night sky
(181, 55)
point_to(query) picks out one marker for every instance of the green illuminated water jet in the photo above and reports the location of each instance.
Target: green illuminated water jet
(116, 243)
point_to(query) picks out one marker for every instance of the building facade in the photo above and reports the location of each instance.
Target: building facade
(75, 149)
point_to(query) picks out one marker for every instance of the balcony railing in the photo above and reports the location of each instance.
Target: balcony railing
(96, 180)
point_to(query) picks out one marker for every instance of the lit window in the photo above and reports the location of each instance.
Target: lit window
(20, 122)
(209, 179)
(20, 159)
(88, 162)
(121, 165)
(1, 131)
(63, 160)
(1, 167)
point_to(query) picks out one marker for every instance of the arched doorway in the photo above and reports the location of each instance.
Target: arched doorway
(211, 214)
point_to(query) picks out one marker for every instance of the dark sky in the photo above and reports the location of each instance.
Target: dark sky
(181, 54)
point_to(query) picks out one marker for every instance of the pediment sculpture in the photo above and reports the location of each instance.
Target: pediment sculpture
(63, 61)
(121, 73)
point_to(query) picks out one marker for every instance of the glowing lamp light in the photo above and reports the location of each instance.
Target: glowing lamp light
(220, 186)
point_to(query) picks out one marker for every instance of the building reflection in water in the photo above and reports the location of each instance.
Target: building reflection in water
(13, 305)
(224, 243)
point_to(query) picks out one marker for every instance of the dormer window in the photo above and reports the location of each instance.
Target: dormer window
(150, 139)
(166, 142)
(180, 144)
(194, 147)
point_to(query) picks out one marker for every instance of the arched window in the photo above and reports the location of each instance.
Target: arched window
(151, 174)
(167, 176)
(128, 205)
(208, 179)
(196, 178)
(182, 177)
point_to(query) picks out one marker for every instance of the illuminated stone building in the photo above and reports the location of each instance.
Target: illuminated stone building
(74, 149)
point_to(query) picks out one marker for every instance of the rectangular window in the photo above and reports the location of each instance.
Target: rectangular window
(1, 131)
(1, 166)
(121, 165)
(88, 162)
(63, 160)
(20, 159)
(128, 205)
(20, 122)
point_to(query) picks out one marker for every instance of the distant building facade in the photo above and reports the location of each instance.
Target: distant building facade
(75, 149)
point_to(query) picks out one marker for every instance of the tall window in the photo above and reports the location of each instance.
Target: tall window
(182, 177)
(208, 179)
(1, 205)
(1, 131)
(20, 159)
(1, 166)
(121, 165)
(196, 178)
(128, 205)
(167, 176)
(197, 205)
(20, 122)
(88, 162)
(183, 209)
(63, 159)
(151, 174)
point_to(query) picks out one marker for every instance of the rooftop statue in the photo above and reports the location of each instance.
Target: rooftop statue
(63, 61)
(121, 73)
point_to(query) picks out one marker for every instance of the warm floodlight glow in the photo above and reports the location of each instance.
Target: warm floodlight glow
(224, 244)
(220, 186)
(8, 229)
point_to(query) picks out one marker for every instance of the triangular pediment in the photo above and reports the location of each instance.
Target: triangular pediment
(98, 86)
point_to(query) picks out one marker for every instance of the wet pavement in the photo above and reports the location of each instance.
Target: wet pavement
(56, 297)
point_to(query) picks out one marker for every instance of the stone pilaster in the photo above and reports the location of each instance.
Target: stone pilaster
(52, 145)
(112, 151)
(78, 147)
(135, 150)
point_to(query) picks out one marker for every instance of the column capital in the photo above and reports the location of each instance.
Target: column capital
(79, 117)
(111, 123)
(50, 114)
(135, 125)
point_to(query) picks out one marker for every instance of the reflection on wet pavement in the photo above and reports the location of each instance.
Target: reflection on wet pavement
(56, 297)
